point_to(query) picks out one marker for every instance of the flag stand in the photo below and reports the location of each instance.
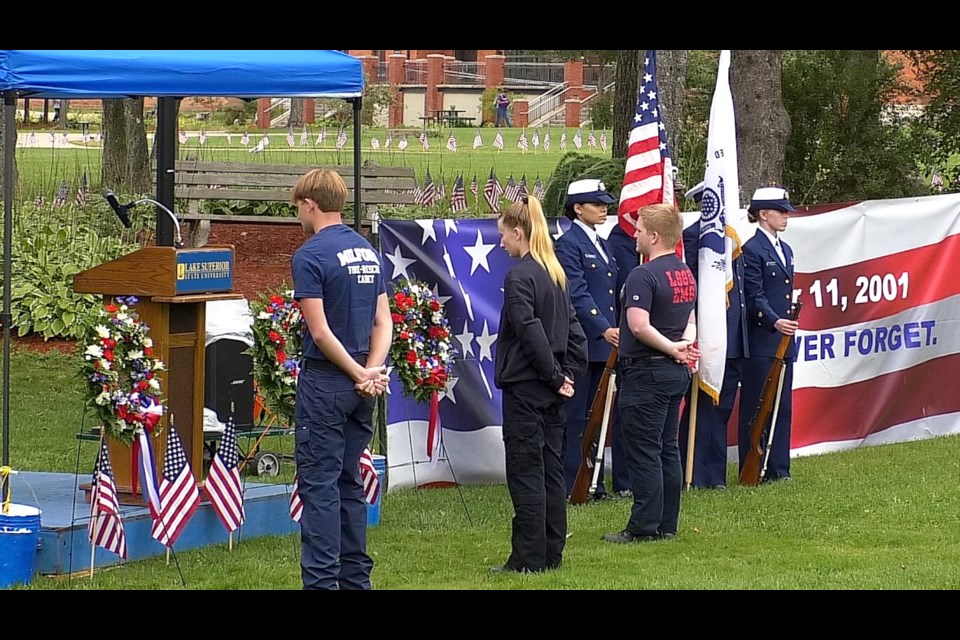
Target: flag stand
(691, 431)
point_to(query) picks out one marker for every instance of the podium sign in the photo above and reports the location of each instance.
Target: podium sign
(204, 271)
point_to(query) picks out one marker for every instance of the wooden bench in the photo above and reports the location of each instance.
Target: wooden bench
(197, 181)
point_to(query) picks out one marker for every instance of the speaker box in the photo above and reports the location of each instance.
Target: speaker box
(228, 378)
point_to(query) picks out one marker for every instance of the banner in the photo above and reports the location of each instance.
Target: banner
(878, 347)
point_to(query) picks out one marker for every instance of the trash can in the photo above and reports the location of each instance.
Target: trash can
(373, 510)
(19, 534)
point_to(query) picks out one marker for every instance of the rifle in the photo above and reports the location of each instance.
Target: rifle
(769, 404)
(589, 441)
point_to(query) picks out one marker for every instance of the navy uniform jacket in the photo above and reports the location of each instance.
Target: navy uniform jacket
(624, 250)
(737, 343)
(539, 336)
(593, 287)
(768, 287)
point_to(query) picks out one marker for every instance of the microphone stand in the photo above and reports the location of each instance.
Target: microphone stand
(176, 222)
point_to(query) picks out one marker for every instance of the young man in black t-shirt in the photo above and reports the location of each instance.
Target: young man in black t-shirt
(657, 332)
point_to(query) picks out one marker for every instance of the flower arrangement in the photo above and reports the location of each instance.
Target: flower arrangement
(421, 352)
(277, 347)
(120, 369)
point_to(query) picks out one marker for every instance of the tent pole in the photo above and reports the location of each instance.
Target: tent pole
(357, 147)
(166, 150)
(9, 144)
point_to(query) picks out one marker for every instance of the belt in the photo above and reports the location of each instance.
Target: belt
(627, 362)
(315, 364)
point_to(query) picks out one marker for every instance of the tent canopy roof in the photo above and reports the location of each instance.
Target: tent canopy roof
(179, 73)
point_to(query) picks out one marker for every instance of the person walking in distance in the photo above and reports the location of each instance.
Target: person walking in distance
(502, 103)
(347, 332)
(541, 351)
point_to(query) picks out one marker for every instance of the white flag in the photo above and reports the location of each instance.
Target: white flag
(721, 197)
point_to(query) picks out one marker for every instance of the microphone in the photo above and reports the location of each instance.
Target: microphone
(122, 211)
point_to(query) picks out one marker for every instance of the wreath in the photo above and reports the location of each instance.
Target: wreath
(276, 351)
(421, 352)
(120, 370)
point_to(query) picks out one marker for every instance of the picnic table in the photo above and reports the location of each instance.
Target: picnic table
(451, 117)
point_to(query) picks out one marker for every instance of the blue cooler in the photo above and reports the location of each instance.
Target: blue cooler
(373, 510)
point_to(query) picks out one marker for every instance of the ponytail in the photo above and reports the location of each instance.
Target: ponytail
(528, 216)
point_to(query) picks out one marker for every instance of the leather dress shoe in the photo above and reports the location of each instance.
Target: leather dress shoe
(508, 569)
(626, 537)
(599, 497)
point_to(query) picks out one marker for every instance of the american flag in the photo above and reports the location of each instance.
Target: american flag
(522, 142)
(563, 141)
(538, 189)
(578, 139)
(304, 137)
(546, 141)
(368, 474)
(223, 486)
(341, 139)
(375, 143)
(603, 140)
(321, 136)
(592, 141)
(82, 190)
(296, 506)
(179, 496)
(474, 185)
(39, 201)
(245, 139)
(535, 140)
(32, 139)
(477, 140)
(498, 141)
(64, 138)
(648, 178)
(458, 197)
(417, 190)
(428, 193)
(203, 136)
(512, 192)
(265, 140)
(182, 137)
(522, 187)
(61, 197)
(424, 142)
(452, 143)
(229, 138)
(105, 528)
(402, 145)
(492, 191)
(291, 142)
(388, 141)
(441, 190)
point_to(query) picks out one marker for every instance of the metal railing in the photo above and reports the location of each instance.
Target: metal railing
(544, 105)
(415, 72)
(472, 73)
(281, 106)
(546, 73)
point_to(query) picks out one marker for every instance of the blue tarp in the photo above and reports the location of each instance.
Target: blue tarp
(179, 73)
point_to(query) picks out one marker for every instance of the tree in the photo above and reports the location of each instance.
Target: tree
(296, 113)
(629, 67)
(126, 161)
(138, 157)
(672, 82)
(938, 74)
(763, 125)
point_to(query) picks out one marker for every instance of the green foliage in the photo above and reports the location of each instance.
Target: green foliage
(377, 97)
(277, 349)
(601, 111)
(574, 166)
(248, 208)
(690, 157)
(50, 246)
(843, 145)
(488, 107)
(938, 71)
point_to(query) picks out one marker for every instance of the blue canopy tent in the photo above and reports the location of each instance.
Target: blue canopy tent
(166, 75)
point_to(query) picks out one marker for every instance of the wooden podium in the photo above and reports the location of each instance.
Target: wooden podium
(172, 286)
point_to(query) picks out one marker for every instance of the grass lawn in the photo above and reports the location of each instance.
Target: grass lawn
(882, 517)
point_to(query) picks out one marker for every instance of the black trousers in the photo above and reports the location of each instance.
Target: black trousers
(534, 422)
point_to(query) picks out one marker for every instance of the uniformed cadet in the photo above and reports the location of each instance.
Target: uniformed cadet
(768, 269)
(347, 332)
(710, 448)
(593, 273)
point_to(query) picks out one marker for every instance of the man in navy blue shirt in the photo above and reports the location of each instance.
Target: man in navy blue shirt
(346, 338)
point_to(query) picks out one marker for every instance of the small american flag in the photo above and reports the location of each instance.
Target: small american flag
(99, 136)
(477, 140)
(368, 474)
(375, 143)
(203, 136)
(61, 197)
(428, 194)
(341, 139)
(441, 191)
(321, 136)
(245, 139)
(546, 141)
(32, 139)
(492, 191)
(179, 496)
(423, 140)
(536, 140)
(603, 140)
(458, 197)
(182, 137)
(474, 186)
(538, 189)
(452, 143)
(64, 139)
(388, 141)
(417, 190)
(296, 506)
(522, 142)
(522, 187)
(229, 138)
(402, 145)
(512, 192)
(592, 141)
(578, 139)
(498, 141)
(105, 528)
(291, 142)
(304, 137)
(39, 201)
(82, 190)
(223, 486)
(563, 141)
(265, 140)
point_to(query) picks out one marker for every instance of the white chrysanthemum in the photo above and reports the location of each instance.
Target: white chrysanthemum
(148, 343)
(157, 365)
(103, 399)
(102, 331)
(136, 354)
(94, 350)
(263, 315)
(415, 290)
(105, 364)
(153, 384)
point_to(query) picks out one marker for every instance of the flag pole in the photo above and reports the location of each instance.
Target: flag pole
(93, 502)
(692, 431)
(230, 542)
